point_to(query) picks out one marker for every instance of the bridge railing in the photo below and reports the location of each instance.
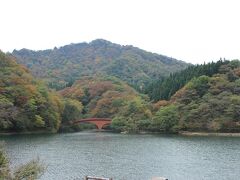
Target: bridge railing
(96, 178)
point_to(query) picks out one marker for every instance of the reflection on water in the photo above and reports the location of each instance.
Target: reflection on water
(125, 157)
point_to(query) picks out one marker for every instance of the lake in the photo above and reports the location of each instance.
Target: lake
(128, 157)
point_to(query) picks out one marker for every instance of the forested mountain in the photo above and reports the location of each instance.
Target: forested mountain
(93, 80)
(204, 104)
(25, 103)
(62, 66)
(165, 87)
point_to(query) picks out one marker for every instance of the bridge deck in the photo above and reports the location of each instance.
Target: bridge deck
(99, 122)
(93, 119)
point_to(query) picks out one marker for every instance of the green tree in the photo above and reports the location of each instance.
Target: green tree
(39, 121)
(166, 119)
(119, 123)
(72, 110)
(200, 84)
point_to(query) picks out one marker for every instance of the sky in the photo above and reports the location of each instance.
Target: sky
(194, 31)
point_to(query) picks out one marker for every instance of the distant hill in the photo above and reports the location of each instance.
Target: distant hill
(62, 66)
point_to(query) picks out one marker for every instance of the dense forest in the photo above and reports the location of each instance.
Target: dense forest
(60, 67)
(165, 87)
(208, 104)
(25, 103)
(109, 97)
(204, 104)
(139, 91)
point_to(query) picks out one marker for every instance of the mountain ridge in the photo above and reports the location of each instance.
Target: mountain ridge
(131, 64)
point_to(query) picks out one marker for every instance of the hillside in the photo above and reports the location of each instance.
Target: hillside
(208, 99)
(165, 87)
(62, 66)
(25, 103)
(204, 104)
(112, 98)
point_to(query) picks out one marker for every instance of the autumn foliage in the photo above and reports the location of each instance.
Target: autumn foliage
(25, 103)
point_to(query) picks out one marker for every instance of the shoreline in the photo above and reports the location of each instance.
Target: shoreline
(219, 134)
(181, 133)
(26, 133)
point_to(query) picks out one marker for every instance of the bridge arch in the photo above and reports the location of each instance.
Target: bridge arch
(99, 122)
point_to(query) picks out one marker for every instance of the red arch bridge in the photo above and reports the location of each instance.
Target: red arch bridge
(99, 122)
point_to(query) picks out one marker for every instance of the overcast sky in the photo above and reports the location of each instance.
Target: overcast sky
(191, 30)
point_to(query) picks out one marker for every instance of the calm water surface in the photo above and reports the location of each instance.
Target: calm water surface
(129, 157)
